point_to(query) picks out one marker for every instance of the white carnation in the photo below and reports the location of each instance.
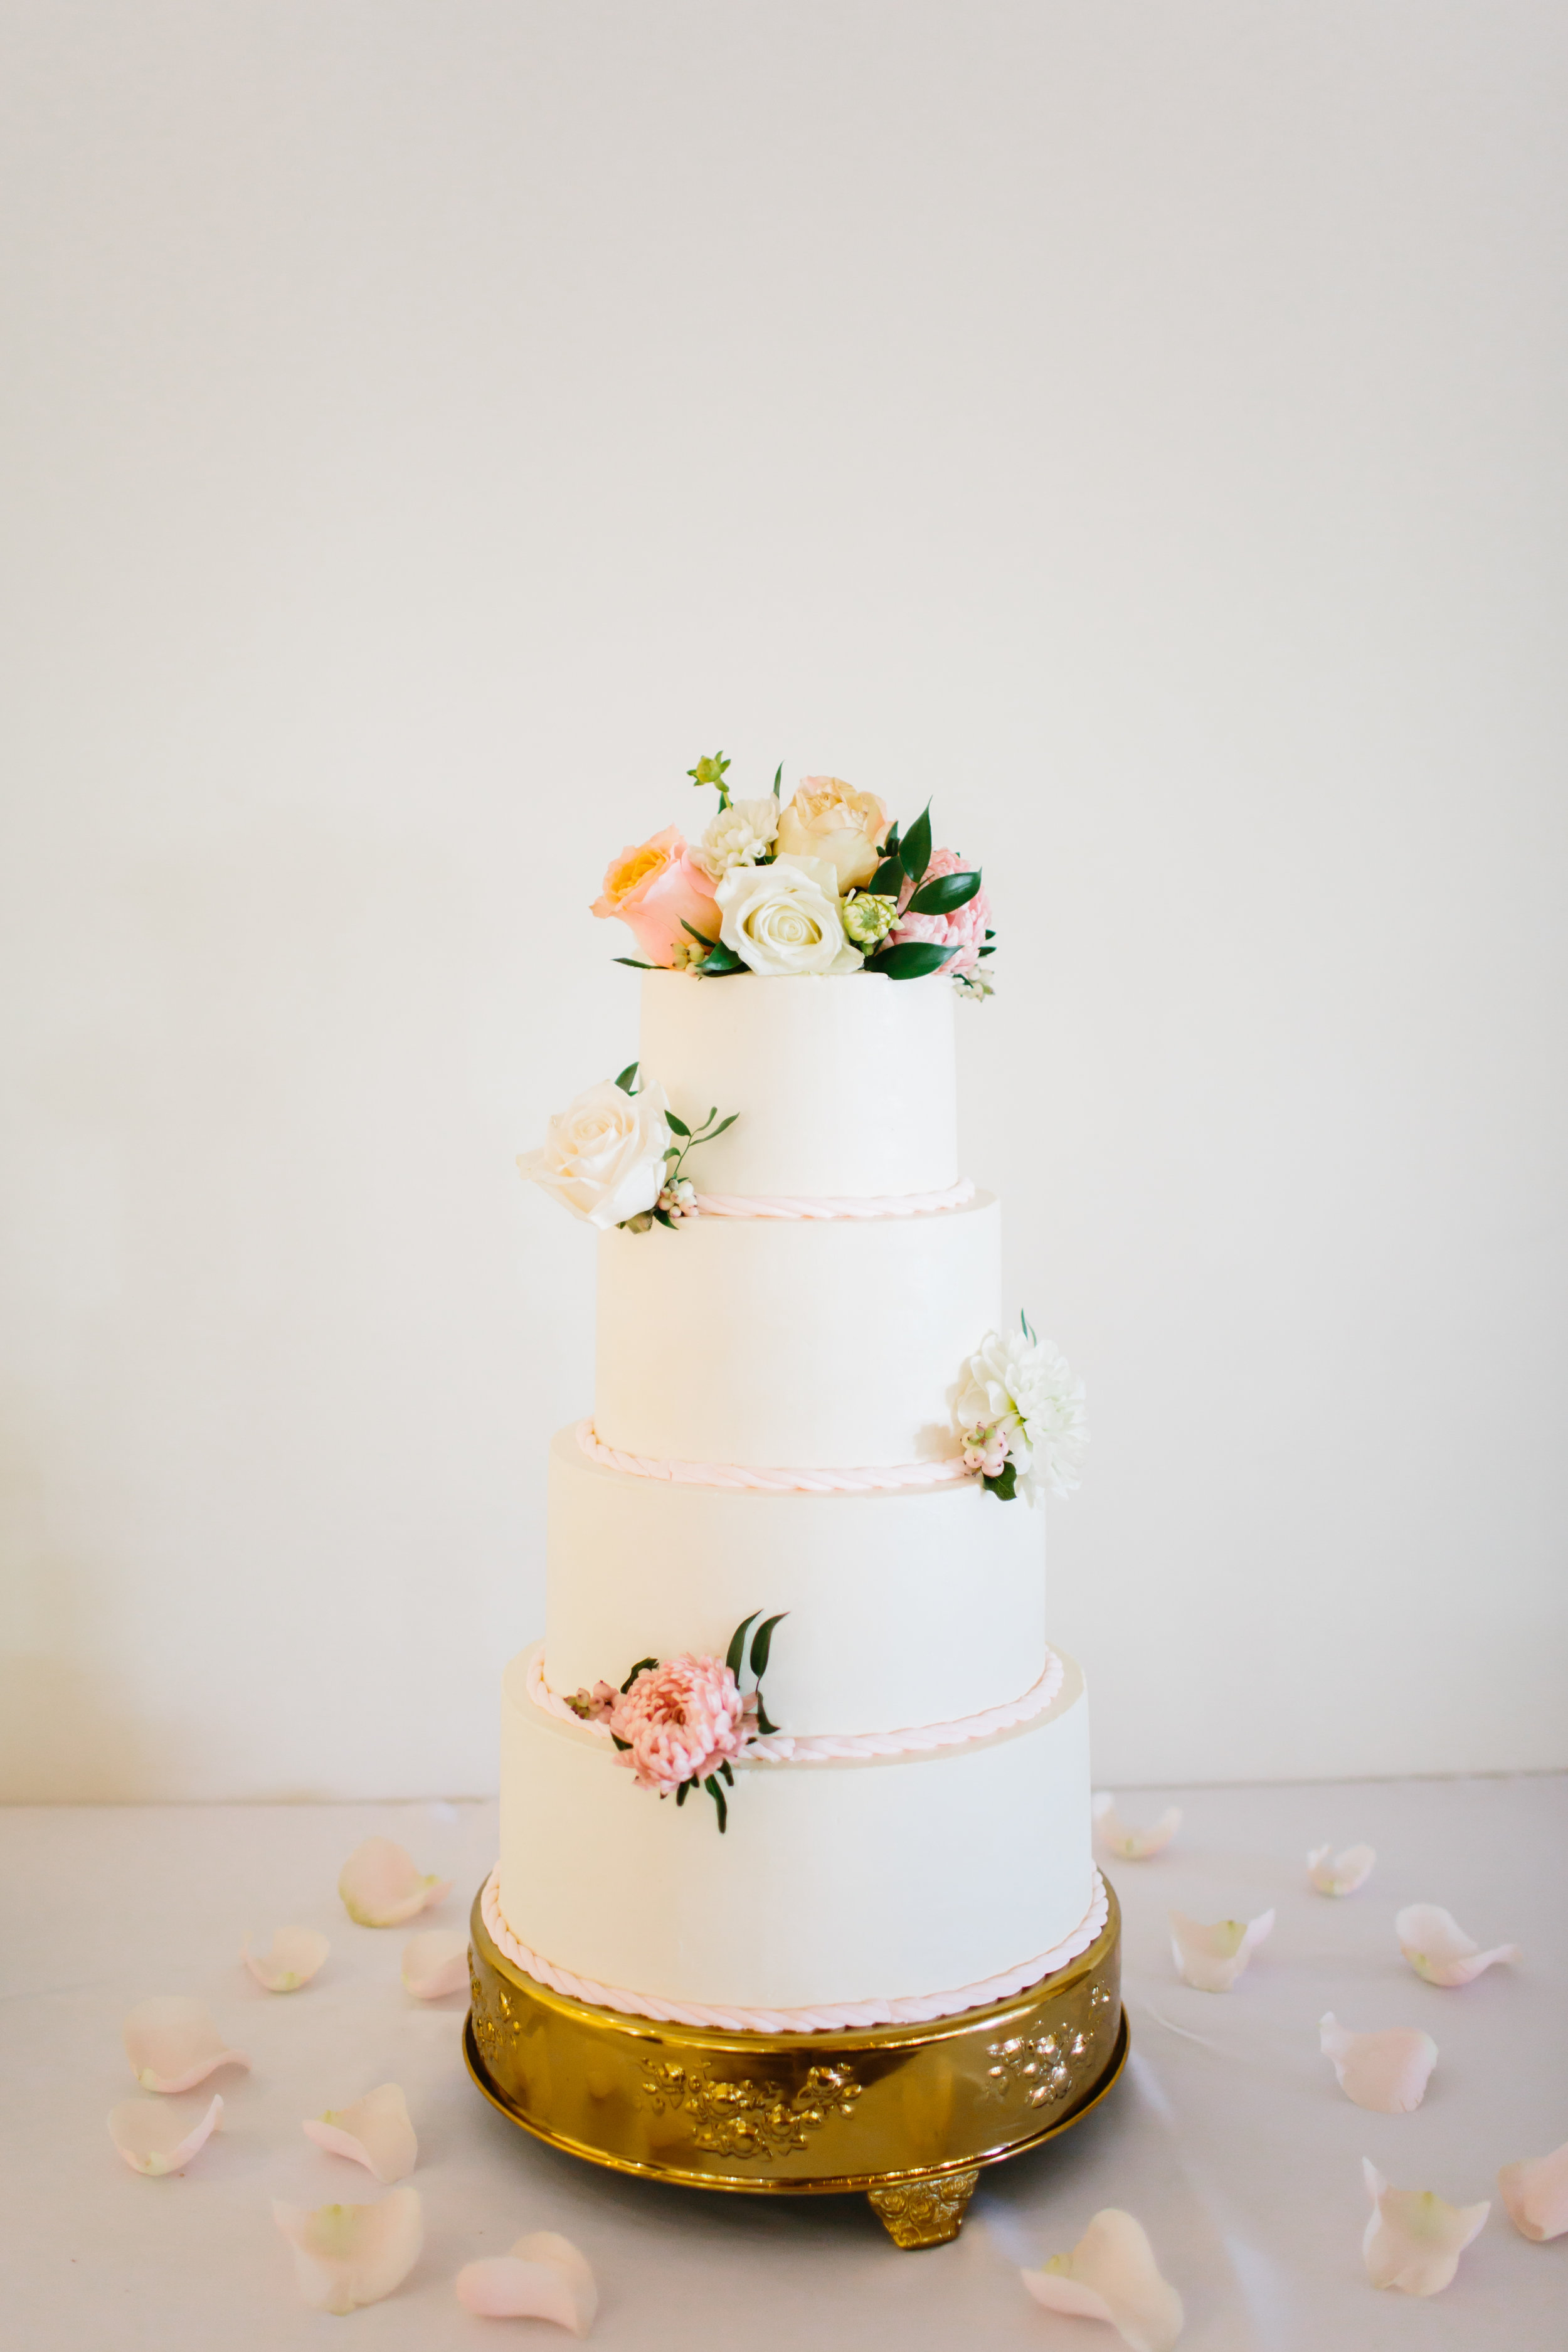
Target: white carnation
(1025, 1387)
(784, 919)
(604, 1158)
(738, 835)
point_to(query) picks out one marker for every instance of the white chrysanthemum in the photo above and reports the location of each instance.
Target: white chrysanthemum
(738, 836)
(1025, 1387)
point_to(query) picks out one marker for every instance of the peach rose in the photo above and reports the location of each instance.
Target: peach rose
(655, 890)
(827, 819)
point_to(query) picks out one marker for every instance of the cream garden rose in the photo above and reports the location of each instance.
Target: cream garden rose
(603, 1157)
(827, 818)
(784, 919)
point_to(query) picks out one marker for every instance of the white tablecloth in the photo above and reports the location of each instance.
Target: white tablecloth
(1227, 2137)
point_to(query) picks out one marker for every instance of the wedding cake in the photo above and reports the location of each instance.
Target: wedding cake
(795, 1753)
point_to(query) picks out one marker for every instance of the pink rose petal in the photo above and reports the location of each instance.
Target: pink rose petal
(374, 2132)
(173, 2044)
(1111, 2274)
(543, 2277)
(1414, 2239)
(290, 1960)
(155, 2138)
(1536, 2195)
(1387, 2072)
(346, 2255)
(1129, 1844)
(435, 1964)
(381, 1888)
(1340, 1874)
(1211, 1957)
(1438, 1949)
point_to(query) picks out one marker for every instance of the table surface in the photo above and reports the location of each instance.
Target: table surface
(1227, 2137)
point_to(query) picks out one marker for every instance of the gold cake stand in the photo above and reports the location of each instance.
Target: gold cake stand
(907, 2113)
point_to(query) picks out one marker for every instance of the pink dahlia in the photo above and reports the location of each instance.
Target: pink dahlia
(681, 1720)
(965, 929)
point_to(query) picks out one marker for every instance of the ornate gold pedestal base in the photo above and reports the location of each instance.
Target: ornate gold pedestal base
(906, 2113)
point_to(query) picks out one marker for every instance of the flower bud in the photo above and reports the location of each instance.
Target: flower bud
(867, 918)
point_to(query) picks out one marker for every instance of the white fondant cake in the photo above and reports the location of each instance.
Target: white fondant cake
(907, 1830)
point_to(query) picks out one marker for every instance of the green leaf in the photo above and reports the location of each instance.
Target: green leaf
(700, 936)
(726, 1775)
(762, 1642)
(625, 1077)
(890, 842)
(778, 779)
(889, 879)
(734, 1656)
(1028, 1332)
(661, 1217)
(622, 1744)
(673, 1119)
(721, 958)
(1006, 1488)
(987, 950)
(763, 1726)
(945, 894)
(632, 964)
(914, 850)
(911, 958)
(635, 1671)
(723, 1123)
(717, 1794)
(682, 1794)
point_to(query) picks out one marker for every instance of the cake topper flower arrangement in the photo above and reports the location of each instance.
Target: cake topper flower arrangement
(823, 883)
(678, 1725)
(612, 1157)
(1019, 1410)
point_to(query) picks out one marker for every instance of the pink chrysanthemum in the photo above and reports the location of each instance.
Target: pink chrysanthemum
(681, 1720)
(965, 929)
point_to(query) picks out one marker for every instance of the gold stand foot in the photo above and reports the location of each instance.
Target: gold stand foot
(924, 2212)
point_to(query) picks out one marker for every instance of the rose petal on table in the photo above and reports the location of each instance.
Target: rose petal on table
(1129, 1844)
(1387, 2072)
(543, 2277)
(435, 1964)
(156, 2138)
(1536, 2195)
(1111, 2274)
(290, 1960)
(374, 2132)
(1437, 1948)
(346, 2255)
(1414, 2239)
(1340, 1874)
(173, 2044)
(380, 1886)
(1211, 1957)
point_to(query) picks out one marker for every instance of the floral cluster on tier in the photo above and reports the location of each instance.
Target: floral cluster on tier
(618, 1156)
(678, 1725)
(1019, 1410)
(822, 883)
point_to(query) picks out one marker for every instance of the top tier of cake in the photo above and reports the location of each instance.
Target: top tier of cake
(845, 1087)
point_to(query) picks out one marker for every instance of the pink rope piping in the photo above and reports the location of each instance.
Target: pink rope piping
(876, 1478)
(801, 1206)
(848, 2018)
(847, 1747)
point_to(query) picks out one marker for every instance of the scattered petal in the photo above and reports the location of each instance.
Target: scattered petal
(381, 1888)
(435, 1964)
(345, 2255)
(155, 2138)
(1130, 1844)
(1536, 2195)
(291, 1959)
(374, 2132)
(1438, 1949)
(1387, 2072)
(1111, 2274)
(1211, 1958)
(1340, 1874)
(543, 2277)
(1414, 2239)
(173, 2044)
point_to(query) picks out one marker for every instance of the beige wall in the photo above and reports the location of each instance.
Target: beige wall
(425, 428)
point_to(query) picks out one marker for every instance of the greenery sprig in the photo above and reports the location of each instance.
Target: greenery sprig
(674, 1156)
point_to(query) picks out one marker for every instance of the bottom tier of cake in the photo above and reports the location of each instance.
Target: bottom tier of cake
(849, 1892)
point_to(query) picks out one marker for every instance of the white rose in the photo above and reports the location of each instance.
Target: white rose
(1025, 1387)
(605, 1157)
(738, 837)
(783, 918)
